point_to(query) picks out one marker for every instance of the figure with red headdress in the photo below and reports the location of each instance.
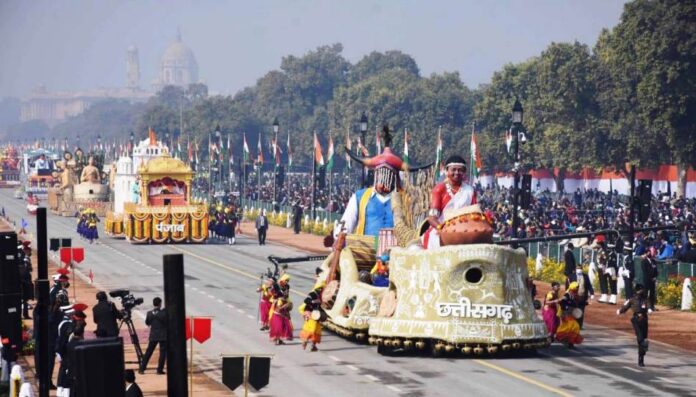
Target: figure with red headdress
(451, 194)
(370, 209)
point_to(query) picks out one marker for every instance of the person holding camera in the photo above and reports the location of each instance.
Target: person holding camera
(156, 319)
(105, 315)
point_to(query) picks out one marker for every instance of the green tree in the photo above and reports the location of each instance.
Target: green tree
(649, 91)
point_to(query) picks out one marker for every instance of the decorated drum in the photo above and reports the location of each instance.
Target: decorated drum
(467, 225)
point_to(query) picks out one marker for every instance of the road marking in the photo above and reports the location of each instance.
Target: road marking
(230, 306)
(241, 311)
(665, 380)
(334, 358)
(251, 317)
(633, 369)
(353, 367)
(220, 301)
(523, 378)
(232, 269)
(602, 359)
(372, 377)
(210, 296)
(187, 285)
(394, 388)
(603, 373)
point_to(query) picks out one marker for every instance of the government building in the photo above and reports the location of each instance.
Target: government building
(178, 67)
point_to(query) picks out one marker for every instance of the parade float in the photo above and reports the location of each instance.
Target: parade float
(468, 296)
(80, 184)
(38, 166)
(152, 198)
(9, 168)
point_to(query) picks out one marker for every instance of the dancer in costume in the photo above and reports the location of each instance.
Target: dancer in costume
(280, 323)
(312, 313)
(92, 220)
(569, 330)
(265, 292)
(451, 194)
(550, 310)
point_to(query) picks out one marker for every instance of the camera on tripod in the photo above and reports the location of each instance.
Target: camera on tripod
(128, 301)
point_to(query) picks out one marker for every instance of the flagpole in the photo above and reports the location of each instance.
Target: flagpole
(210, 170)
(314, 177)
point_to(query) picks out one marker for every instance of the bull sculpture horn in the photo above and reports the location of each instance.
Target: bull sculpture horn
(370, 162)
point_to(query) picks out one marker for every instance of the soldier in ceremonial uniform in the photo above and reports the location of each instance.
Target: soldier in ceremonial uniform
(639, 304)
(451, 194)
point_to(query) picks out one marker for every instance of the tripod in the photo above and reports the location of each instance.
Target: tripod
(133, 336)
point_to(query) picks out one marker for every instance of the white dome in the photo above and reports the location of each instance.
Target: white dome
(178, 65)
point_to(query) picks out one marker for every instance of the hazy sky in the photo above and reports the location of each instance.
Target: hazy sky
(81, 44)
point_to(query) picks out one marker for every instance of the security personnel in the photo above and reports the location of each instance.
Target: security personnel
(639, 321)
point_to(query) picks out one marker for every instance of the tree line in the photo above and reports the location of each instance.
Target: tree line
(629, 99)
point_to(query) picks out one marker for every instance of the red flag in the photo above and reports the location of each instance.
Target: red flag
(78, 254)
(66, 255)
(202, 328)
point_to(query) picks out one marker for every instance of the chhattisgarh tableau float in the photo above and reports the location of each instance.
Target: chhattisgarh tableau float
(463, 295)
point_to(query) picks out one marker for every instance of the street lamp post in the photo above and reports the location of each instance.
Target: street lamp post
(132, 142)
(276, 127)
(363, 131)
(517, 115)
(218, 144)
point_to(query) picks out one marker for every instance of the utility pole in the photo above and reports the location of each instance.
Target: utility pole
(517, 113)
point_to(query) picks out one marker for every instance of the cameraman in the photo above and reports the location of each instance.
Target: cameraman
(105, 315)
(156, 319)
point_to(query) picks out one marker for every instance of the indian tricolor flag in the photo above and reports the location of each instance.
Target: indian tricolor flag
(475, 156)
(330, 154)
(247, 153)
(439, 169)
(318, 157)
(508, 139)
(406, 146)
(259, 159)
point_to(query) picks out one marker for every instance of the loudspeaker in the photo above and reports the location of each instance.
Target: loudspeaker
(11, 318)
(280, 175)
(644, 196)
(8, 243)
(98, 367)
(321, 178)
(526, 191)
(54, 244)
(9, 263)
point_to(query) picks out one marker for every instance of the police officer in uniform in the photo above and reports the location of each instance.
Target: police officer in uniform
(639, 321)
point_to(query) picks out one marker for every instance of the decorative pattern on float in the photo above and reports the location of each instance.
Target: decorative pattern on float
(475, 278)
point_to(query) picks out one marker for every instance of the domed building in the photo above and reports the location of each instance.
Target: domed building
(178, 66)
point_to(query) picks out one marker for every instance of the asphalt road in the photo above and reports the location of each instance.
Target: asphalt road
(221, 282)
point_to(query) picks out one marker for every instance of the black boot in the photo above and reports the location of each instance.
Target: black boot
(641, 363)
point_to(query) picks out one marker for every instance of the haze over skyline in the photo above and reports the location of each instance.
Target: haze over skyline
(82, 44)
